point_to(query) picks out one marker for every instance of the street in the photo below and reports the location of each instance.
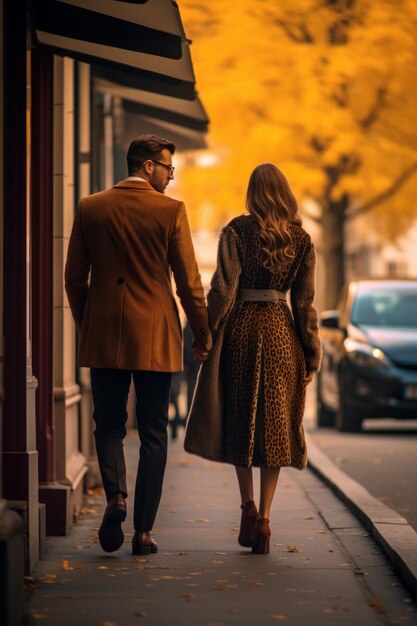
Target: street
(382, 458)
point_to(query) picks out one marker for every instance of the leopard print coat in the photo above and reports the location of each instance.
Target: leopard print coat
(250, 394)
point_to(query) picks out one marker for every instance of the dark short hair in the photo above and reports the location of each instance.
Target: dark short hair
(146, 147)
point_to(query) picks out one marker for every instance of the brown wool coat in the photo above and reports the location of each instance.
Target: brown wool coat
(124, 243)
(249, 399)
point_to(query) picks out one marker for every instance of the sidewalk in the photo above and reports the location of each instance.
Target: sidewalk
(323, 569)
(391, 531)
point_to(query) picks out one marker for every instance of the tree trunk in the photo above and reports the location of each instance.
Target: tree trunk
(333, 248)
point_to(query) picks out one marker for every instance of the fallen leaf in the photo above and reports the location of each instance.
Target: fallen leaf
(255, 583)
(49, 579)
(359, 572)
(96, 491)
(291, 548)
(309, 517)
(140, 614)
(217, 562)
(278, 617)
(221, 584)
(70, 566)
(188, 596)
(102, 567)
(376, 604)
(336, 609)
(38, 614)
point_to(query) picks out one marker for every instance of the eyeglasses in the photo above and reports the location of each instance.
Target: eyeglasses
(170, 168)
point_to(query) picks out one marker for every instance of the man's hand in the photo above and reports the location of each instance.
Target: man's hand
(308, 377)
(201, 354)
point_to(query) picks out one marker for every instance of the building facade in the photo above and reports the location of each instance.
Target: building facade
(79, 79)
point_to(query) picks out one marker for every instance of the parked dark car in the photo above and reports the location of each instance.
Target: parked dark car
(369, 366)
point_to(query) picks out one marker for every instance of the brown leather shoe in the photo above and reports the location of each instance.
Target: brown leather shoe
(247, 534)
(142, 543)
(110, 533)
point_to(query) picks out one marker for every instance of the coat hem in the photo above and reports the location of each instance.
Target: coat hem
(216, 459)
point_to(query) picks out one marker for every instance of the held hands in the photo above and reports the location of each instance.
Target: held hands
(308, 377)
(202, 350)
(201, 354)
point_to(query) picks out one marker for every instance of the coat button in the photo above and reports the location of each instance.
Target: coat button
(120, 281)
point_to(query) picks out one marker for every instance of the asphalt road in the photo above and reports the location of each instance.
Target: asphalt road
(383, 458)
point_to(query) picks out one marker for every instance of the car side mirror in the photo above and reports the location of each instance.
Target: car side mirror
(329, 319)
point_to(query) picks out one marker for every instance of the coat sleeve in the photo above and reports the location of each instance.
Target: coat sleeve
(77, 270)
(188, 280)
(225, 281)
(304, 311)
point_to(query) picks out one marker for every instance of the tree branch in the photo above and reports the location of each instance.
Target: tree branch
(297, 32)
(384, 195)
(375, 109)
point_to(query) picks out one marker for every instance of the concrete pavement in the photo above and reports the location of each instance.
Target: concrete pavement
(323, 567)
(391, 531)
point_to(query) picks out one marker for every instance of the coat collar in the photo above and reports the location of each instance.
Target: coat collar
(134, 184)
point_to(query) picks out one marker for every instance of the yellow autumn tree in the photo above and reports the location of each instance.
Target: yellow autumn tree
(327, 90)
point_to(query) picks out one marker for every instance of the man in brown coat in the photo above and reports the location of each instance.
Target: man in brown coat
(124, 243)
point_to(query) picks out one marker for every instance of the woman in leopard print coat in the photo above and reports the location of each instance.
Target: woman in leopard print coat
(249, 399)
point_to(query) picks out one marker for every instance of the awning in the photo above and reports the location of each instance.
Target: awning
(141, 44)
(184, 138)
(187, 113)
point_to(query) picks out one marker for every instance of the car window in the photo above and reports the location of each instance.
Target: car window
(392, 308)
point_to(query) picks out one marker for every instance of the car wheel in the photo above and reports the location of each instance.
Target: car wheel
(325, 416)
(348, 420)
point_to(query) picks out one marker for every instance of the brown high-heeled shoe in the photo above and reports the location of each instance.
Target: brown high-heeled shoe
(263, 535)
(247, 534)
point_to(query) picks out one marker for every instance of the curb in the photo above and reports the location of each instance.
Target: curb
(390, 530)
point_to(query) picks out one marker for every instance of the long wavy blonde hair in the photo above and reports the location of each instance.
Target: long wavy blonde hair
(271, 202)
